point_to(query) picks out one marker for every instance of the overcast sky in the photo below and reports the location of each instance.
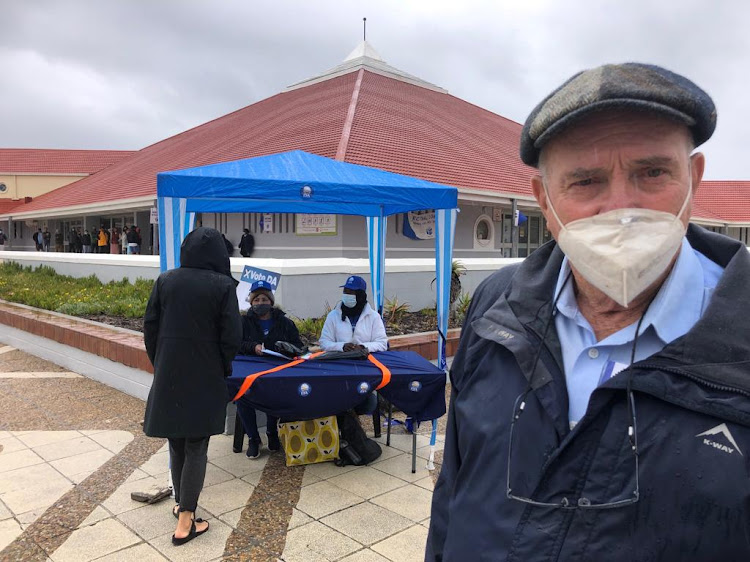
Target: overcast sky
(123, 74)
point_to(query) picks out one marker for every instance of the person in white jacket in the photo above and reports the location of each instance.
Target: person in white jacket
(353, 323)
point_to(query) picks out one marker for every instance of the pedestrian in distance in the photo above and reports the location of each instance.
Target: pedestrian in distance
(601, 388)
(133, 243)
(86, 242)
(247, 244)
(103, 240)
(192, 330)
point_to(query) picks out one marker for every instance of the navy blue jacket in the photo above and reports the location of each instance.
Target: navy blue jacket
(692, 403)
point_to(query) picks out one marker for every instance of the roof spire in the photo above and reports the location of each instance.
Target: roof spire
(364, 29)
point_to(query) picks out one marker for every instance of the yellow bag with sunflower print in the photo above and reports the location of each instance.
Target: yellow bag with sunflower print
(308, 442)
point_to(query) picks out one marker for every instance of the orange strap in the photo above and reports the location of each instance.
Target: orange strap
(383, 369)
(250, 379)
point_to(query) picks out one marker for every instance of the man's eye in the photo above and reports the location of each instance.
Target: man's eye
(654, 172)
(587, 181)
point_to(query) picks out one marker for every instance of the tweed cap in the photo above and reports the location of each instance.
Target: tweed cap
(615, 86)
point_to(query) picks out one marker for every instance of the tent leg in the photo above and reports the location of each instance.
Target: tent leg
(376, 419)
(414, 452)
(388, 429)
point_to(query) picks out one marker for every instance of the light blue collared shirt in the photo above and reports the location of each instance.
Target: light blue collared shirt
(677, 306)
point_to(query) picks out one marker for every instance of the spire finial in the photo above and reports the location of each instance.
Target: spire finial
(364, 29)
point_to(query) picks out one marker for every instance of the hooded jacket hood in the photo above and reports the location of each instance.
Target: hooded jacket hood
(204, 248)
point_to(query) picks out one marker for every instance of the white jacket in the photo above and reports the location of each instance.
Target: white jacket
(369, 331)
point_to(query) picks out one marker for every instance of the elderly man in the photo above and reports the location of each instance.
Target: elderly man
(600, 404)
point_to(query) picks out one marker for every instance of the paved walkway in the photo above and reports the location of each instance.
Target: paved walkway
(71, 452)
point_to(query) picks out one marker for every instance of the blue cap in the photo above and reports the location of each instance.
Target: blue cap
(261, 285)
(355, 283)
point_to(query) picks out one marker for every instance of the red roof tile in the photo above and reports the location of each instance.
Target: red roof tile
(725, 200)
(6, 205)
(309, 119)
(397, 126)
(43, 161)
(435, 136)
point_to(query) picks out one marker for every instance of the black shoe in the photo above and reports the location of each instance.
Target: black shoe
(273, 442)
(193, 533)
(253, 449)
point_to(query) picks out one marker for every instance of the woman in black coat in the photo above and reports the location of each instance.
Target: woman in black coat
(263, 326)
(192, 330)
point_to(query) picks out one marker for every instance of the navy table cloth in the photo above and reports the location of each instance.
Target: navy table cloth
(314, 388)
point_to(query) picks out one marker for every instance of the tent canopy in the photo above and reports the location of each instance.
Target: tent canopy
(299, 182)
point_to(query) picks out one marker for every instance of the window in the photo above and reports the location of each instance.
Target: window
(484, 233)
(534, 230)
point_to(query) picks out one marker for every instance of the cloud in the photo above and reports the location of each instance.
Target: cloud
(123, 74)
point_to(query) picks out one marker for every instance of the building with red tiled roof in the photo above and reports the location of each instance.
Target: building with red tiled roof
(27, 173)
(362, 111)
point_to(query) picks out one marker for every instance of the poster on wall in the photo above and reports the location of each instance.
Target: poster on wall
(419, 225)
(314, 225)
(266, 223)
(249, 276)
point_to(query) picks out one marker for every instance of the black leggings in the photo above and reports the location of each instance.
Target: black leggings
(188, 458)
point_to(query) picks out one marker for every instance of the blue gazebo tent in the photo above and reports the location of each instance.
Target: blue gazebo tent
(299, 182)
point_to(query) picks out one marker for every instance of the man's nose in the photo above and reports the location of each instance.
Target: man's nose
(623, 193)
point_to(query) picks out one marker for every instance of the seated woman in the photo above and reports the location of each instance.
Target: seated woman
(262, 327)
(354, 324)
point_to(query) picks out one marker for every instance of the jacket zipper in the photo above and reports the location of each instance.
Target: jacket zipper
(695, 378)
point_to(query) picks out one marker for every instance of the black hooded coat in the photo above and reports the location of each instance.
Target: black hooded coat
(192, 329)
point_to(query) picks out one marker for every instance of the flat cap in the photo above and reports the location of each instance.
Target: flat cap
(615, 86)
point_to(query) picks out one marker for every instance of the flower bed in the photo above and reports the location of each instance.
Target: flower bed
(44, 288)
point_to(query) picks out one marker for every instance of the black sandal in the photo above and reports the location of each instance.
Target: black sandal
(176, 511)
(191, 535)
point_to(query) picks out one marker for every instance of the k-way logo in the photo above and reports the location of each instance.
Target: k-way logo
(723, 430)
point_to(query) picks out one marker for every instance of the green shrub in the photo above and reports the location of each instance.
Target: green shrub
(395, 310)
(44, 288)
(462, 306)
(310, 328)
(429, 312)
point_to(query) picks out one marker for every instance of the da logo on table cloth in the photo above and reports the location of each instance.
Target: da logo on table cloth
(308, 442)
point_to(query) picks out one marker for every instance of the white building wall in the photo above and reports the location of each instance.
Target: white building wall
(306, 284)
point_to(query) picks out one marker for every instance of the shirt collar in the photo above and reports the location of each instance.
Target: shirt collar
(676, 307)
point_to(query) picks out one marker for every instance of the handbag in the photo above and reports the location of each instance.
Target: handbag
(311, 441)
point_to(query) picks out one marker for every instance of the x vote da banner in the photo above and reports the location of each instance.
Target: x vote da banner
(249, 276)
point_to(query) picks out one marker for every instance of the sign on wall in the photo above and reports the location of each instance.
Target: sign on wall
(266, 223)
(315, 225)
(419, 225)
(249, 276)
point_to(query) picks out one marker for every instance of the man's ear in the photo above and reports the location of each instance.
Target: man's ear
(697, 167)
(537, 188)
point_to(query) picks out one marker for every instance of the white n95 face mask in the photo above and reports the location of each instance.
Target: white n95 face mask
(622, 252)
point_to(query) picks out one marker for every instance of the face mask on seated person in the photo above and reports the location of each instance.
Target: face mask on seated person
(261, 309)
(349, 301)
(622, 252)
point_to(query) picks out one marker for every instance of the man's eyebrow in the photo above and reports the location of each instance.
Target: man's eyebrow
(656, 161)
(583, 173)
